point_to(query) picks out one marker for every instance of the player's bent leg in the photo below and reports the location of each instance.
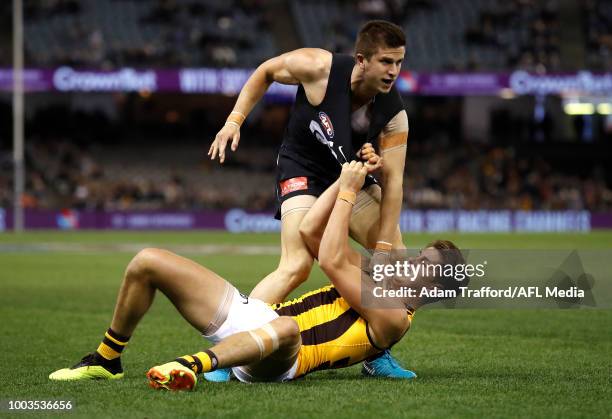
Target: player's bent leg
(267, 353)
(293, 268)
(296, 261)
(198, 294)
(281, 364)
(195, 291)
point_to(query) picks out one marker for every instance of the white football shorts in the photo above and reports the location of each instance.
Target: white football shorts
(246, 313)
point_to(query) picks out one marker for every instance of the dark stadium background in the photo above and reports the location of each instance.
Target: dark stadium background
(143, 150)
(509, 103)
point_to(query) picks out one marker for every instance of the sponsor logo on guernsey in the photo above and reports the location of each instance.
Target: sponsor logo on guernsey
(293, 184)
(327, 124)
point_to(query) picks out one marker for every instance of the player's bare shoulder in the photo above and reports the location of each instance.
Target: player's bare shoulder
(312, 66)
(300, 66)
(309, 64)
(309, 67)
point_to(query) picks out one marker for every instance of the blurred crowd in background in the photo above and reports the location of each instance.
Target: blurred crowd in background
(442, 171)
(537, 35)
(61, 175)
(90, 165)
(113, 33)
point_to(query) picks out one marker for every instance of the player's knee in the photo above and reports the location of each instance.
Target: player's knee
(306, 231)
(142, 264)
(287, 329)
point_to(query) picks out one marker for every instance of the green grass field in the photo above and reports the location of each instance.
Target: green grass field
(58, 292)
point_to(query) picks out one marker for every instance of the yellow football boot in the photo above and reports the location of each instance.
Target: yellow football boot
(172, 376)
(91, 367)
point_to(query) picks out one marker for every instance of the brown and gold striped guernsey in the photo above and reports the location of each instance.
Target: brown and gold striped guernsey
(333, 334)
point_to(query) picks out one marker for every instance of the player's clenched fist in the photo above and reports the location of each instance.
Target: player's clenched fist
(372, 161)
(230, 131)
(352, 176)
(366, 152)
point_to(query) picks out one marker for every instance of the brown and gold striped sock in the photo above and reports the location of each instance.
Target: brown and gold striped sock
(205, 361)
(112, 345)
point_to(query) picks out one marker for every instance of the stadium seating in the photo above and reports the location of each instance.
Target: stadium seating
(597, 23)
(462, 34)
(163, 33)
(163, 177)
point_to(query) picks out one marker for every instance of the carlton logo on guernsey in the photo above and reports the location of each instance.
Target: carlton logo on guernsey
(327, 124)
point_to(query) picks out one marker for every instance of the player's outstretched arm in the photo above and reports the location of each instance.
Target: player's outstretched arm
(303, 66)
(334, 258)
(386, 325)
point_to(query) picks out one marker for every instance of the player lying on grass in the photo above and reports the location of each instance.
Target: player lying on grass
(326, 328)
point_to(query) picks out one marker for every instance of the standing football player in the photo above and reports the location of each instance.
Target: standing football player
(342, 102)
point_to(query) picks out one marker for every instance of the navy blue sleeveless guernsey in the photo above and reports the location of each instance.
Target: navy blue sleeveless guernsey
(319, 139)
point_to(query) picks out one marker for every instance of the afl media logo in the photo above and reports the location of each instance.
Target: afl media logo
(327, 124)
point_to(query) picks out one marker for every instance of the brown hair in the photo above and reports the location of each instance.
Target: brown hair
(451, 255)
(378, 33)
